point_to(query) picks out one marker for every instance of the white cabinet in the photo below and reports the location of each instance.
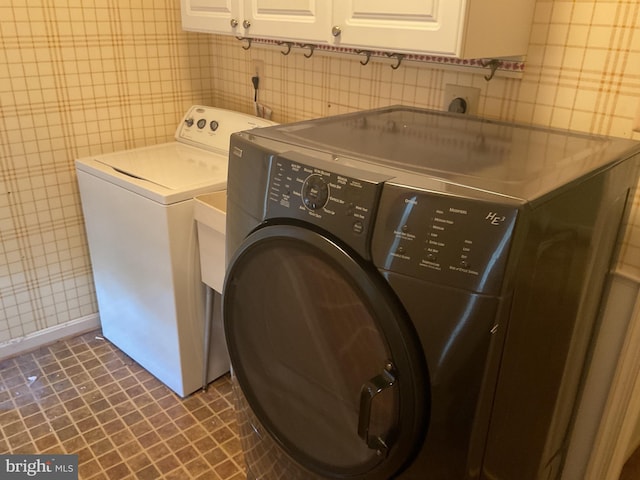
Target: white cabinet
(454, 28)
(409, 25)
(212, 16)
(294, 20)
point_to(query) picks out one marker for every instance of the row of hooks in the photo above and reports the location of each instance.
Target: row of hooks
(289, 45)
(398, 56)
(310, 46)
(492, 64)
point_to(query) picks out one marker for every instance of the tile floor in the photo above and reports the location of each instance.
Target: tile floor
(85, 396)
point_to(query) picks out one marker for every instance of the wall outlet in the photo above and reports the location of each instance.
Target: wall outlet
(456, 96)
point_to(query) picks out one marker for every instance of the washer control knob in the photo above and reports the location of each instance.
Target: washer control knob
(188, 121)
(202, 123)
(213, 125)
(315, 192)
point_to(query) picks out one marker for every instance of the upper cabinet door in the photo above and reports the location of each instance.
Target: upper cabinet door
(296, 20)
(212, 16)
(454, 28)
(430, 26)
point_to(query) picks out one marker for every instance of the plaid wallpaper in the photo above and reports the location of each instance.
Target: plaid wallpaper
(77, 78)
(88, 77)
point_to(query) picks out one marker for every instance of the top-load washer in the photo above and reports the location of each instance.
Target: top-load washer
(413, 294)
(138, 209)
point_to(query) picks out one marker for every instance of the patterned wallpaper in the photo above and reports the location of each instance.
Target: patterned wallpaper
(80, 78)
(77, 78)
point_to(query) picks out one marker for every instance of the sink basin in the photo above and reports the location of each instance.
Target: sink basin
(210, 213)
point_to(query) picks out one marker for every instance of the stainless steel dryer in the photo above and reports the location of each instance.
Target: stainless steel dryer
(413, 294)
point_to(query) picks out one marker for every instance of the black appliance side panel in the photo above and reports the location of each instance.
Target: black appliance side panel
(558, 290)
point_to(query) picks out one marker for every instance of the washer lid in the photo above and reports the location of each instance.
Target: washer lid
(171, 166)
(166, 173)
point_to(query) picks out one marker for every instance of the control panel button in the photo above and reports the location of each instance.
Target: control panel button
(350, 209)
(315, 192)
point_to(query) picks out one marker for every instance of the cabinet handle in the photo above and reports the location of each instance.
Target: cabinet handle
(233, 22)
(336, 31)
(246, 24)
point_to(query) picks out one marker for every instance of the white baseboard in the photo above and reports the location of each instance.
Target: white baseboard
(49, 335)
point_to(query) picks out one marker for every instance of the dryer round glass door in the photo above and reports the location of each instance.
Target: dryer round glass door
(324, 354)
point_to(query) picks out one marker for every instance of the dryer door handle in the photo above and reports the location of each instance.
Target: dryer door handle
(368, 392)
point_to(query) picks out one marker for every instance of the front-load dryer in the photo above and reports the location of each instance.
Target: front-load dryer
(412, 294)
(138, 209)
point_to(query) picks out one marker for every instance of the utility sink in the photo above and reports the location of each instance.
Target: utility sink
(210, 213)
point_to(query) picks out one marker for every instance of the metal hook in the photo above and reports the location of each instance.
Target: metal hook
(311, 49)
(493, 65)
(289, 45)
(367, 53)
(399, 57)
(249, 40)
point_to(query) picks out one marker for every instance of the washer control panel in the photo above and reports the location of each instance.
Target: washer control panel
(210, 128)
(341, 201)
(450, 240)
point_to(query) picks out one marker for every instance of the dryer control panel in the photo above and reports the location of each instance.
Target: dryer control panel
(445, 239)
(341, 200)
